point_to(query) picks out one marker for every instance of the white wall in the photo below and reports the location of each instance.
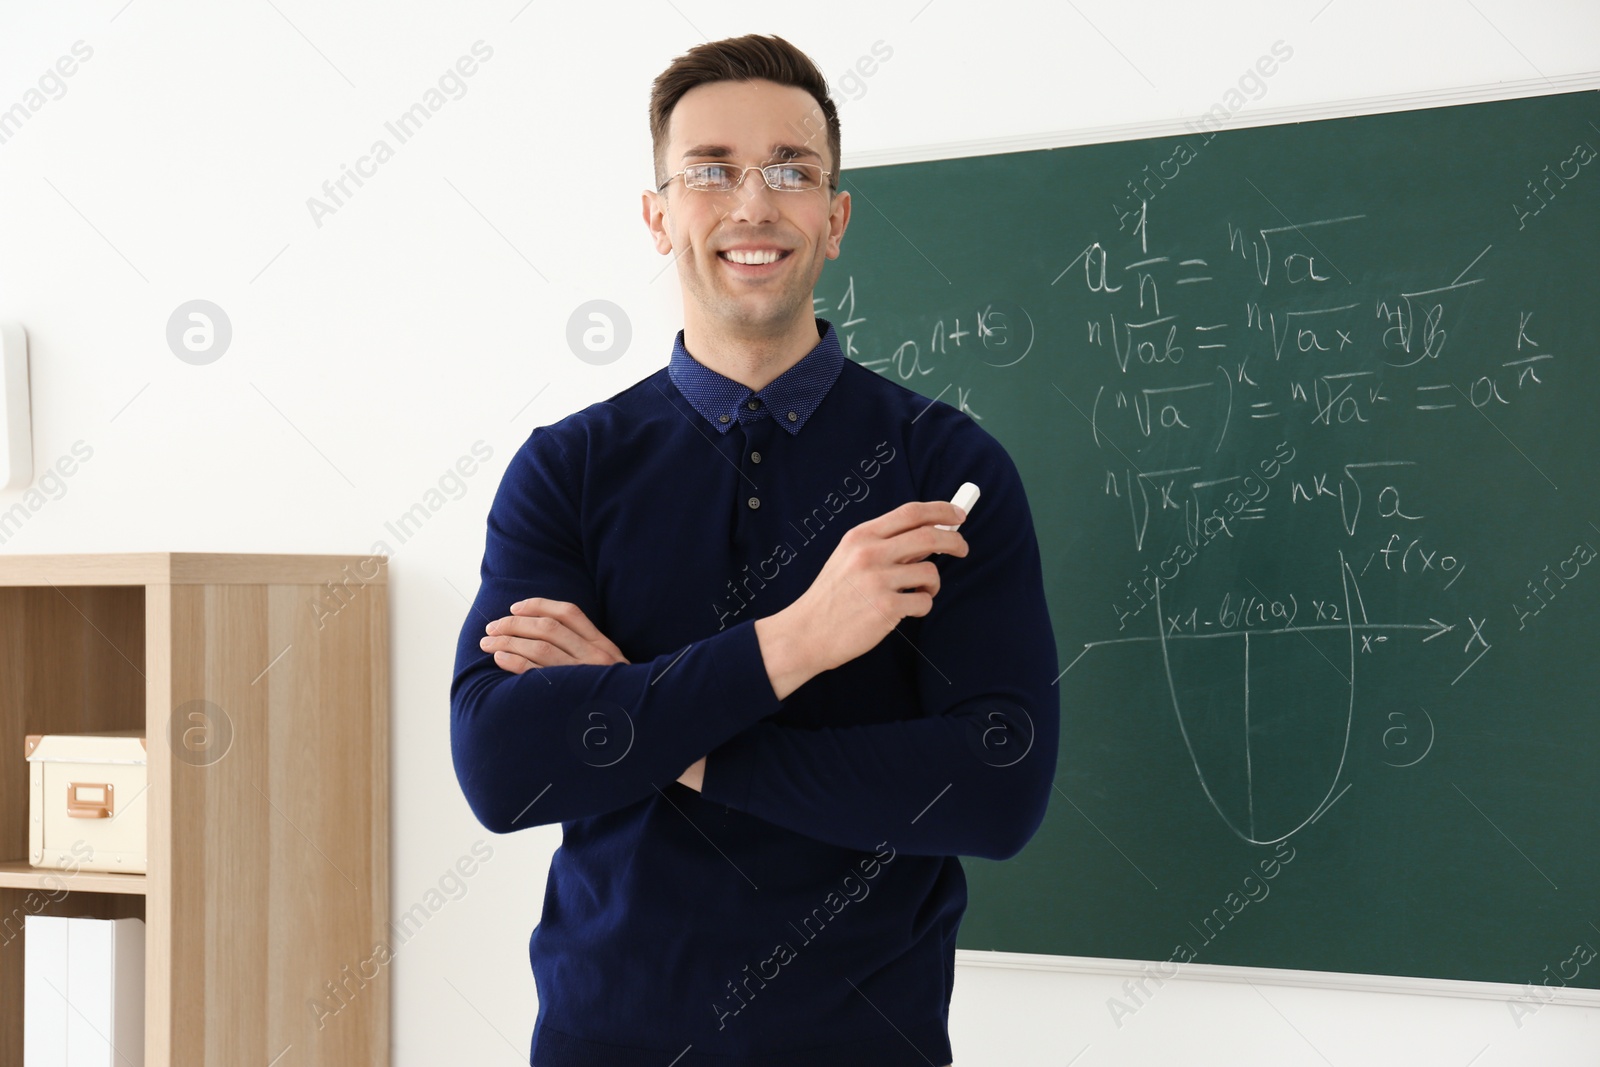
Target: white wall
(371, 352)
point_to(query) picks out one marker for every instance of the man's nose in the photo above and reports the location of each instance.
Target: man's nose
(755, 199)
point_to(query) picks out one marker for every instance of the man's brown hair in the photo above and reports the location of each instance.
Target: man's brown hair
(741, 59)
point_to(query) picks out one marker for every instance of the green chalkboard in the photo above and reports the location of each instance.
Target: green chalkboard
(1309, 417)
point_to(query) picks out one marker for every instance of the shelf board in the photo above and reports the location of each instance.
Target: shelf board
(190, 568)
(19, 874)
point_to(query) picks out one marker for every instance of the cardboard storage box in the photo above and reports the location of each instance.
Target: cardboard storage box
(87, 809)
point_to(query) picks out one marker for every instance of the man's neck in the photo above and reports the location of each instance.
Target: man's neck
(752, 360)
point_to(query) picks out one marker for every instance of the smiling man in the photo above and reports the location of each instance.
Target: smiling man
(767, 727)
(747, 258)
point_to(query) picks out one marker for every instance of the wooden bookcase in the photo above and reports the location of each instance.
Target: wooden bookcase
(268, 884)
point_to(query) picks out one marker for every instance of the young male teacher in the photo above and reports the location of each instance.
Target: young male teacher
(722, 639)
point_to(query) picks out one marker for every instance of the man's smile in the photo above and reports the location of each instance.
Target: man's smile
(754, 262)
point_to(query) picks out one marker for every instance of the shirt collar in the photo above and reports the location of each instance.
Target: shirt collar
(790, 398)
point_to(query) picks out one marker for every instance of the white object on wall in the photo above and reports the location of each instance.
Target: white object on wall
(16, 423)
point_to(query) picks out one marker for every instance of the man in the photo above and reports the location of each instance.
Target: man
(767, 727)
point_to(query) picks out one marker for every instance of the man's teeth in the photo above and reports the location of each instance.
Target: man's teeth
(740, 256)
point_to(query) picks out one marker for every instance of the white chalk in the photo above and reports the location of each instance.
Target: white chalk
(965, 497)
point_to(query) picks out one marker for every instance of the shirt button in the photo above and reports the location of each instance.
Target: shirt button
(755, 457)
(722, 418)
(752, 405)
(793, 417)
(754, 502)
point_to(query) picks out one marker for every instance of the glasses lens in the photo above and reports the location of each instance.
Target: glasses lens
(795, 177)
(714, 177)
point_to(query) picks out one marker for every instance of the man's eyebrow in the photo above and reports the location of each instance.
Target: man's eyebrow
(717, 151)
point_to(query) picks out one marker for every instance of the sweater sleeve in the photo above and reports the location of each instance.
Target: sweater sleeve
(973, 775)
(568, 742)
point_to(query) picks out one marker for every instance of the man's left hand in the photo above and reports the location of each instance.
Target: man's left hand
(547, 633)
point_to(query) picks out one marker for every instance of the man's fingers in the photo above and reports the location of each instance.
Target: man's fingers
(512, 662)
(565, 612)
(914, 513)
(569, 615)
(918, 544)
(559, 628)
(911, 528)
(921, 578)
(539, 628)
(538, 652)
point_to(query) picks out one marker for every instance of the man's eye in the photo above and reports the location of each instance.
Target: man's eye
(716, 172)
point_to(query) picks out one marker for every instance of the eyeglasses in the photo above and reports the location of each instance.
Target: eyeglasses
(724, 177)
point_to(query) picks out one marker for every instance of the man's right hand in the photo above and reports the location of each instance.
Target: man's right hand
(877, 575)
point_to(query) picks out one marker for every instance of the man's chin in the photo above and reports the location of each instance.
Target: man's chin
(764, 316)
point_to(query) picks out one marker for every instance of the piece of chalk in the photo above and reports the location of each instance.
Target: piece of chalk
(965, 497)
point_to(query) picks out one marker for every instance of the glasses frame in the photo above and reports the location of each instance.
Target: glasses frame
(827, 176)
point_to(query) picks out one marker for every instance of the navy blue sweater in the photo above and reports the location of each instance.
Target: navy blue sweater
(802, 908)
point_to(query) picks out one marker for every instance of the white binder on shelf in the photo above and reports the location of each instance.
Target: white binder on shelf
(83, 992)
(44, 1013)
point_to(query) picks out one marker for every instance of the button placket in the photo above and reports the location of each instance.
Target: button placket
(757, 442)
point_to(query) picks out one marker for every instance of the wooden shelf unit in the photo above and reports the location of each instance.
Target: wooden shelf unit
(267, 888)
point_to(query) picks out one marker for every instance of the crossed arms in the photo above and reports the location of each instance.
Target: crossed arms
(551, 722)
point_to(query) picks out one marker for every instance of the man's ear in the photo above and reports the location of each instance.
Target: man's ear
(655, 214)
(838, 219)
